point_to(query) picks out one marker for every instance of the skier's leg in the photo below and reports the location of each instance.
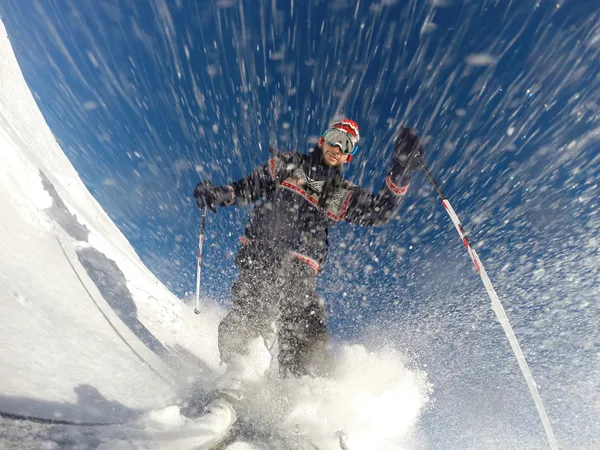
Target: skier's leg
(302, 327)
(253, 310)
(254, 303)
(240, 333)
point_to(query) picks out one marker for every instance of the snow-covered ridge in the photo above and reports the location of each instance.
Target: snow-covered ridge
(87, 331)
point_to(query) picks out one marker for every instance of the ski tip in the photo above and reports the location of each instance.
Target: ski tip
(341, 435)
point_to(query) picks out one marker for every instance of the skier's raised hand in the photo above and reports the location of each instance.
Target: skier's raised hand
(407, 149)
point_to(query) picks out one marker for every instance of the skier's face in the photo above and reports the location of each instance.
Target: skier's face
(332, 155)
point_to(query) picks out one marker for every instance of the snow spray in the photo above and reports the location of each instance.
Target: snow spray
(372, 399)
(497, 307)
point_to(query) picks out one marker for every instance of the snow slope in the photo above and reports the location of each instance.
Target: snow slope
(88, 334)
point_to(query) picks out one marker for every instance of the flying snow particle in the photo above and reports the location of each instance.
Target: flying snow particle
(440, 3)
(510, 131)
(215, 128)
(109, 182)
(93, 59)
(481, 60)
(594, 40)
(428, 27)
(221, 4)
(90, 105)
(285, 125)
(275, 56)
(211, 70)
(461, 112)
(182, 165)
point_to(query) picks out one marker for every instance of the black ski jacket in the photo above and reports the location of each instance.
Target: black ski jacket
(298, 198)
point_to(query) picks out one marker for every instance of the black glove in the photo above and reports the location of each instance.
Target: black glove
(210, 196)
(408, 149)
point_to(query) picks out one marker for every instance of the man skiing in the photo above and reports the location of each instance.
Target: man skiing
(297, 198)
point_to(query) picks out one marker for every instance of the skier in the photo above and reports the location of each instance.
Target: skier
(297, 198)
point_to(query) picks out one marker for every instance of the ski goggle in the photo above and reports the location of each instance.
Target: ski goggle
(339, 138)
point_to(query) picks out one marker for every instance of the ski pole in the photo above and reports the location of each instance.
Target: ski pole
(199, 267)
(496, 306)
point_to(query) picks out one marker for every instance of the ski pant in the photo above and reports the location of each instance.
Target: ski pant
(280, 290)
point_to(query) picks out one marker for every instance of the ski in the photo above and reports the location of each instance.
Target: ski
(244, 430)
(224, 441)
(342, 440)
(247, 432)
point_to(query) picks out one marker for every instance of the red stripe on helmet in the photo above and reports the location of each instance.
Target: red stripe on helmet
(349, 126)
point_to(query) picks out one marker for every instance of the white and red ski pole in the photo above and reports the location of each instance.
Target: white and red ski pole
(199, 267)
(496, 306)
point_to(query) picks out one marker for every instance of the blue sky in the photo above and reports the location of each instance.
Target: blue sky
(147, 98)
